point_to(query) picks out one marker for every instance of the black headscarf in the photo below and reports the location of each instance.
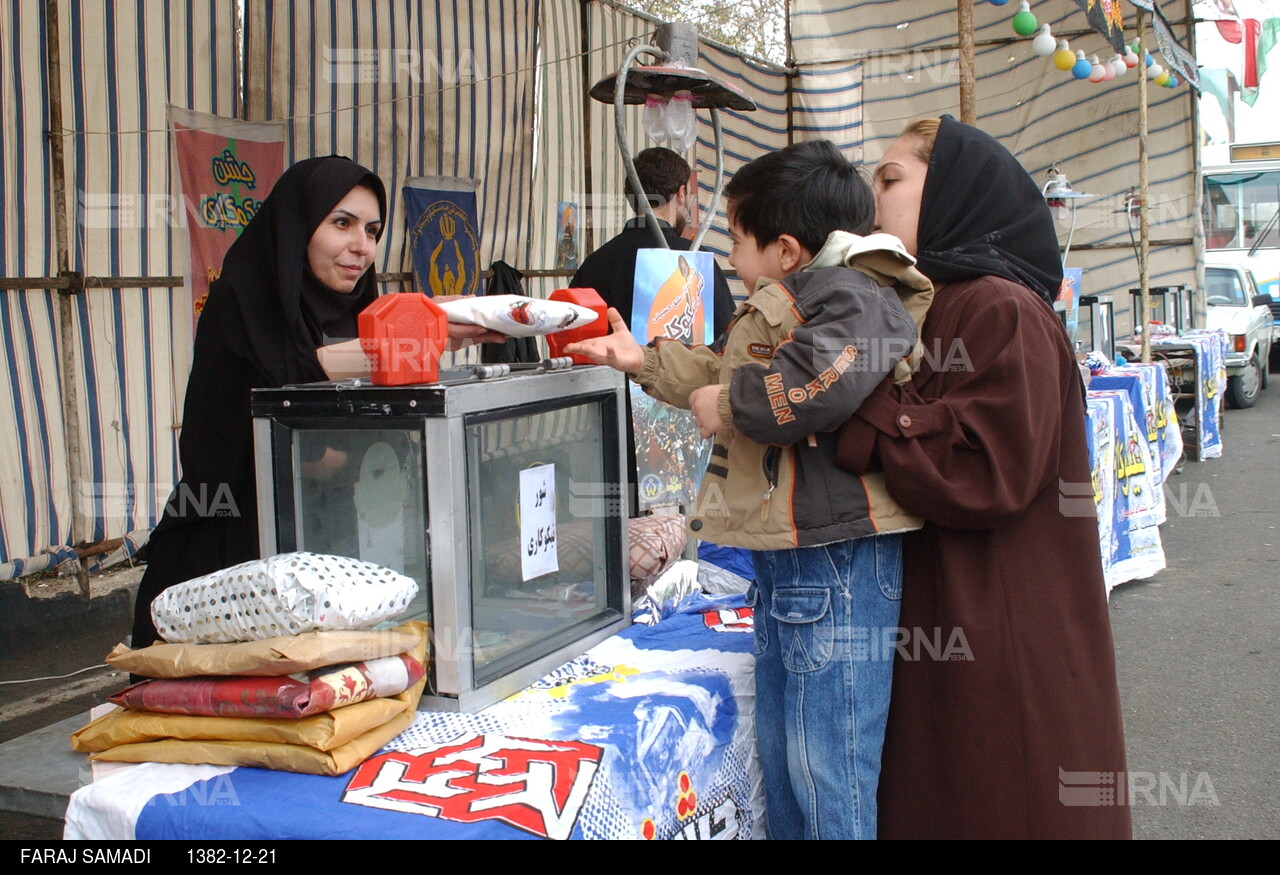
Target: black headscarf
(982, 215)
(285, 312)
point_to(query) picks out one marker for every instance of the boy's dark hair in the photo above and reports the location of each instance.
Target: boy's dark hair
(806, 190)
(661, 172)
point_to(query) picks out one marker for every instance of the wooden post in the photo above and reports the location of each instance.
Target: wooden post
(255, 57)
(1144, 240)
(66, 314)
(791, 76)
(968, 88)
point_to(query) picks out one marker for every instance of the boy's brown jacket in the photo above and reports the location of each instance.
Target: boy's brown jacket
(797, 360)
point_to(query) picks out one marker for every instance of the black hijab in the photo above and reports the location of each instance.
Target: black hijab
(982, 215)
(285, 312)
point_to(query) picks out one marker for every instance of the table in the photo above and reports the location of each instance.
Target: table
(1196, 366)
(1127, 481)
(650, 734)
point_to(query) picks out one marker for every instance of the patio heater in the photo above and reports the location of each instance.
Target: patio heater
(673, 75)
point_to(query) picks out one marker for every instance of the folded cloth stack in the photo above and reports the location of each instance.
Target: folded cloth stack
(320, 701)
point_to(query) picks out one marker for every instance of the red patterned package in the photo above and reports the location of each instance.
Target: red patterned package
(290, 696)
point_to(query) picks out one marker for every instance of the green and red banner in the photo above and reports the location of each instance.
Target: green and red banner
(227, 167)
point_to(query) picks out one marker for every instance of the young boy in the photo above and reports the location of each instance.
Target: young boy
(810, 342)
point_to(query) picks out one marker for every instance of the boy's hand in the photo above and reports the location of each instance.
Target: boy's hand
(618, 350)
(704, 403)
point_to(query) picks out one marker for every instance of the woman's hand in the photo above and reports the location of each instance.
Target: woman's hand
(461, 335)
(704, 404)
(618, 350)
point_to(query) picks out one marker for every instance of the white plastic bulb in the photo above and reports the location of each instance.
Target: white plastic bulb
(1044, 44)
(682, 124)
(1097, 74)
(655, 117)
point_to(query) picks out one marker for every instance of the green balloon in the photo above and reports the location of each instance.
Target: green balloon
(1024, 23)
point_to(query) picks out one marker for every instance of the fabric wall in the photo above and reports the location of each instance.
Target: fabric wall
(122, 63)
(905, 58)
(414, 89)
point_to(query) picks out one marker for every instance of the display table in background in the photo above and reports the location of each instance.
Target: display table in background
(1125, 492)
(650, 734)
(1195, 364)
(1135, 444)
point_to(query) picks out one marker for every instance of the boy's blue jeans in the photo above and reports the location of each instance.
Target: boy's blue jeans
(822, 682)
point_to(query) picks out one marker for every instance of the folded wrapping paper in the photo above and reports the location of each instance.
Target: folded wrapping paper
(324, 744)
(287, 696)
(272, 657)
(323, 732)
(270, 755)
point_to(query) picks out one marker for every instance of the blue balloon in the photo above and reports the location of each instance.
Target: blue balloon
(999, 2)
(1081, 68)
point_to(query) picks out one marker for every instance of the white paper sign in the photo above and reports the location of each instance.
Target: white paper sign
(538, 554)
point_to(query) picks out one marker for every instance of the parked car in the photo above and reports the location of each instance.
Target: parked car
(1235, 306)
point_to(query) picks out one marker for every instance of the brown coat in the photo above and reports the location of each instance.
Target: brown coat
(986, 444)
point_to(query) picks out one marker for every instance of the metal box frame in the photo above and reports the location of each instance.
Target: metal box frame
(442, 411)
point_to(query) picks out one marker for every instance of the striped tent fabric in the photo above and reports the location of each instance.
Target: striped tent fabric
(907, 63)
(746, 136)
(34, 509)
(413, 89)
(122, 63)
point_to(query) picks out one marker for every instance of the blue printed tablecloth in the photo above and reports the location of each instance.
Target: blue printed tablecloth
(1149, 393)
(1210, 350)
(1126, 487)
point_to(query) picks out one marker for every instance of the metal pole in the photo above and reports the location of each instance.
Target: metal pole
(719, 189)
(66, 315)
(620, 124)
(968, 88)
(584, 31)
(1144, 242)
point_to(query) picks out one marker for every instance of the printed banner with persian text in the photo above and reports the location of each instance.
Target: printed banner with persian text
(227, 167)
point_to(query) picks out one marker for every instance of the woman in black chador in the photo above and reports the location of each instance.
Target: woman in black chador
(295, 280)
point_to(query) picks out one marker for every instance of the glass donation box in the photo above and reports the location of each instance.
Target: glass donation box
(500, 495)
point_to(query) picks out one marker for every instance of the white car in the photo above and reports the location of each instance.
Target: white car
(1235, 306)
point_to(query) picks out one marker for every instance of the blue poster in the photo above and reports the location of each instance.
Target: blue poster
(673, 300)
(443, 234)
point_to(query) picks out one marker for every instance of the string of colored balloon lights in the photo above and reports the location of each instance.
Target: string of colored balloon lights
(1045, 45)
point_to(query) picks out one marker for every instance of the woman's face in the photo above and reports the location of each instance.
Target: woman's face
(899, 187)
(342, 248)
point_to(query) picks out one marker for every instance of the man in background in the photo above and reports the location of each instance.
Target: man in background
(611, 269)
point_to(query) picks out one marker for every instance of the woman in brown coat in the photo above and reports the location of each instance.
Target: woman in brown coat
(1005, 714)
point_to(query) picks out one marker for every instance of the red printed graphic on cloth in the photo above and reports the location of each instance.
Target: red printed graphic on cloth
(535, 785)
(730, 620)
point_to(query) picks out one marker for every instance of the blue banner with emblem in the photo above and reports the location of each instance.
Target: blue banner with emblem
(443, 234)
